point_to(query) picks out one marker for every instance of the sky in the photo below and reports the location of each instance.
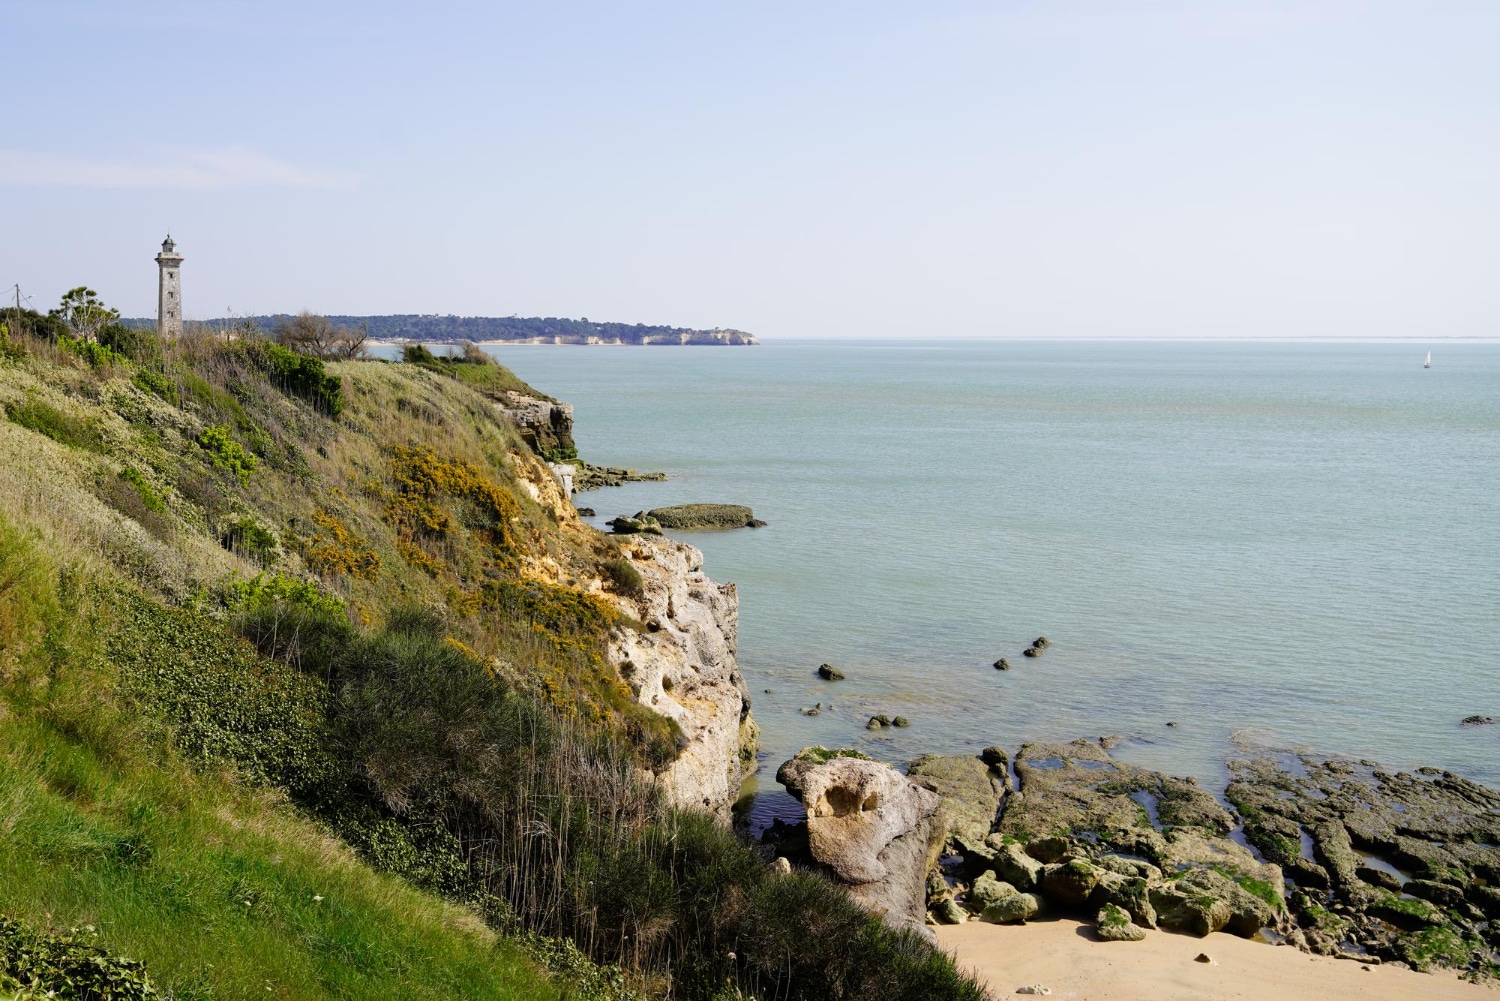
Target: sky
(1049, 168)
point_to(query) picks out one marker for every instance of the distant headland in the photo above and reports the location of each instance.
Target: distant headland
(506, 329)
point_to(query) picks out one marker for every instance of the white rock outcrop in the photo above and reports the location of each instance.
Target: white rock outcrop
(876, 831)
(683, 666)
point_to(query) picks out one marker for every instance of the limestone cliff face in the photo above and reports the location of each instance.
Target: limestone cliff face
(683, 666)
(545, 425)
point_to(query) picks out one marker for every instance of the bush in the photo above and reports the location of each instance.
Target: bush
(11, 346)
(301, 376)
(96, 354)
(623, 576)
(417, 354)
(226, 453)
(139, 344)
(290, 620)
(43, 418)
(70, 964)
(148, 496)
(157, 382)
(246, 538)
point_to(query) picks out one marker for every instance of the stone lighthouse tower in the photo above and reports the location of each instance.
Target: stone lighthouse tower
(169, 291)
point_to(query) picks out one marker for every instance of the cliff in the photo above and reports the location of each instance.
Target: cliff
(683, 666)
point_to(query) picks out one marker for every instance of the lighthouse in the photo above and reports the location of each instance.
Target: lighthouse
(169, 290)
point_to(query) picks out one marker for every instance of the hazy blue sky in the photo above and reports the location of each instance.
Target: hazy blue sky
(1012, 169)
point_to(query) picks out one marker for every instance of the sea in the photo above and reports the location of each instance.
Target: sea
(1277, 543)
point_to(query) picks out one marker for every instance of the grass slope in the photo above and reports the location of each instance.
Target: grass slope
(223, 890)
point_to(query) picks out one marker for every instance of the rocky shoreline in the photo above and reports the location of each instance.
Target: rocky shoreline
(1332, 856)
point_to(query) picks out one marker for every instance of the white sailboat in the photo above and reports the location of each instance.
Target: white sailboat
(1428, 362)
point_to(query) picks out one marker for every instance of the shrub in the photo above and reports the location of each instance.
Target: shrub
(623, 576)
(302, 376)
(96, 354)
(139, 344)
(247, 538)
(149, 498)
(68, 964)
(226, 453)
(337, 550)
(11, 346)
(290, 620)
(417, 354)
(157, 382)
(43, 418)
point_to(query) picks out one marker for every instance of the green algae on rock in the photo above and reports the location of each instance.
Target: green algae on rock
(705, 517)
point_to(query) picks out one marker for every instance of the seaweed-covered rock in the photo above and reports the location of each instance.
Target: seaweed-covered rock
(1070, 883)
(1047, 850)
(1437, 827)
(1014, 865)
(1015, 909)
(1131, 894)
(947, 912)
(987, 889)
(1114, 925)
(637, 524)
(830, 673)
(971, 790)
(1179, 909)
(705, 517)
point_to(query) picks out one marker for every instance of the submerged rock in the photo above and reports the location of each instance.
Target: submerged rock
(1480, 720)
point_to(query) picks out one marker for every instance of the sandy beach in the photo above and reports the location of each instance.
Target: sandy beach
(1064, 956)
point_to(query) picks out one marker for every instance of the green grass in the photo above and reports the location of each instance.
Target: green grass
(221, 890)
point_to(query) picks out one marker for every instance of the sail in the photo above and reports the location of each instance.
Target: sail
(1427, 363)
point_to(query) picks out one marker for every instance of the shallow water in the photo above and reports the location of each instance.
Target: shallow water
(1299, 539)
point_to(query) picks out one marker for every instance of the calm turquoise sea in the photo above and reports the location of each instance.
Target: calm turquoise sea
(1300, 540)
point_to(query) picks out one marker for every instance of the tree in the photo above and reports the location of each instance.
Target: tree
(306, 333)
(84, 313)
(350, 341)
(310, 334)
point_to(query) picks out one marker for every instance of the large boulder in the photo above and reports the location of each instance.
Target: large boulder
(1014, 909)
(871, 827)
(1131, 894)
(971, 790)
(685, 668)
(1205, 901)
(1015, 866)
(1070, 883)
(988, 889)
(1113, 924)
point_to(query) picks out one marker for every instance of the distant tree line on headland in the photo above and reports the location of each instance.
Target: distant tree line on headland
(417, 327)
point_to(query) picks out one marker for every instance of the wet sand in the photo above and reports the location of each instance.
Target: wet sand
(1065, 956)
